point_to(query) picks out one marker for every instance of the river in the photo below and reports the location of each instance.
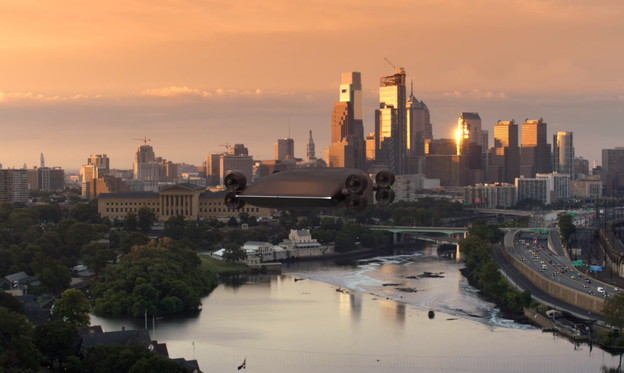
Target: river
(363, 317)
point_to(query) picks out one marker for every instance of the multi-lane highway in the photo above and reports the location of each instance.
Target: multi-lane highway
(551, 262)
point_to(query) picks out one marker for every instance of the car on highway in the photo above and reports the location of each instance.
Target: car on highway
(600, 289)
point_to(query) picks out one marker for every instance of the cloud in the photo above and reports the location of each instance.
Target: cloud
(477, 94)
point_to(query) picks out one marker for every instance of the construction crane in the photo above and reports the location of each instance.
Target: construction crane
(391, 64)
(144, 139)
(227, 147)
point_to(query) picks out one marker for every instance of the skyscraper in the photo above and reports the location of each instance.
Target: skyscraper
(418, 125)
(284, 149)
(534, 150)
(505, 157)
(469, 146)
(310, 149)
(348, 147)
(468, 131)
(563, 154)
(390, 122)
(613, 170)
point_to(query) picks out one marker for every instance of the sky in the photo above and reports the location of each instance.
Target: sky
(84, 77)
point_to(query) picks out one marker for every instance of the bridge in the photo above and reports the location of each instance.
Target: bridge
(398, 232)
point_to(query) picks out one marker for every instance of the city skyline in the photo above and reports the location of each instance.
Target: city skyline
(90, 78)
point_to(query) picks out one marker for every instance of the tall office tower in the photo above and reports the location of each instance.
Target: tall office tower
(284, 149)
(468, 131)
(370, 146)
(418, 123)
(231, 162)
(310, 150)
(100, 160)
(441, 147)
(581, 167)
(469, 139)
(613, 170)
(239, 150)
(213, 169)
(347, 147)
(534, 150)
(390, 122)
(41, 161)
(563, 154)
(144, 155)
(506, 153)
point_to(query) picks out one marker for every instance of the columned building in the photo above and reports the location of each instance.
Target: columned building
(187, 200)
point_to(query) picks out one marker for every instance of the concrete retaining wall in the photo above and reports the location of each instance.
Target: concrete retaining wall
(554, 289)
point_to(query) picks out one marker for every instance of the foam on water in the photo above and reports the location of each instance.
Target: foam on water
(451, 294)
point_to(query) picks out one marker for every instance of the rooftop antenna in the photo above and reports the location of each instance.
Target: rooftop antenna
(288, 127)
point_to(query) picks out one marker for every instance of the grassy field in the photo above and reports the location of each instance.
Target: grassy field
(218, 266)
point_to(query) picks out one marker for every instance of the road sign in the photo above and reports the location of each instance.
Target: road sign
(595, 268)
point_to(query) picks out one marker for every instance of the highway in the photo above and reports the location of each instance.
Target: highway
(552, 263)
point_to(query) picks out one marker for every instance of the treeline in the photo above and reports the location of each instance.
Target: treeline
(482, 270)
(162, 278)
(54, 345)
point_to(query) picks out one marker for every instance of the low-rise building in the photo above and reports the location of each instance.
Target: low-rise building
(498, 195)
(188, 200)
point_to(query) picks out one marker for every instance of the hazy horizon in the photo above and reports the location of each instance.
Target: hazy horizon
(89, 78)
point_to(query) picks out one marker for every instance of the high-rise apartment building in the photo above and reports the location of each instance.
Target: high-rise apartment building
(285, 149)
(14, 185)
(535, 154)
(390, 122)
(563, 154)
(347, 147)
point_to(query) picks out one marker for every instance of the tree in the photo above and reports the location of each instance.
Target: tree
(73, 308)
(18, 353)
(146, 219)
(57, 340)
(614, 311)
(234, 253)
(131, 222)
(566, 227)
(175, 227)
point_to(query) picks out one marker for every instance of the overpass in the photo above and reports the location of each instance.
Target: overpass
(501, 211)
(423, 233)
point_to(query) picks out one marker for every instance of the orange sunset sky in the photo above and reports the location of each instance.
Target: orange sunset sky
(82, 77)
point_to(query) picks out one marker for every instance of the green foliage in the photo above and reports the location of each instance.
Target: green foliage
(566, 227)
(163, 277)
(125, 359)
(73, 308)
(18, 352)
(146, 219)
(57, 340)
(613, 311)
(11, 303)
(233, 253)
(481, 267)
(175, 227)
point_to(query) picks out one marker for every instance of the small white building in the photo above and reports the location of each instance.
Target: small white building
(300, 244)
